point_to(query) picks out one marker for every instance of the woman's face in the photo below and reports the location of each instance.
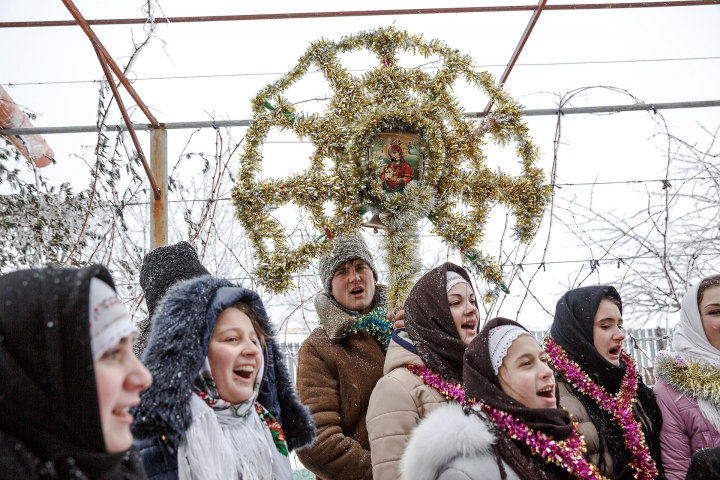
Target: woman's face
(464, 311)
(234, 356)
(120, 377)
(607, 334)
(394, 155)
(710, 315)
(525, 376)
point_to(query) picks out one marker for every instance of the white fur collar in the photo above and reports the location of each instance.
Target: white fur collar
(446, 433)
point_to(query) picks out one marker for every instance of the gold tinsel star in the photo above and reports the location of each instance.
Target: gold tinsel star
(388, 98)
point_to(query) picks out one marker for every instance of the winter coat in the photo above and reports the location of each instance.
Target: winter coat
(399, 401)
(705, 465)
(685, 429)
(449, 445)
(50, 425)
(337, 371)
(572, 404)
(178, 346)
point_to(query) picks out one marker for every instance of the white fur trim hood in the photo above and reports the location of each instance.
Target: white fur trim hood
(443, 435)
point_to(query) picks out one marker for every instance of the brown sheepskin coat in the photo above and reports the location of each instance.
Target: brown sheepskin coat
(337, 372)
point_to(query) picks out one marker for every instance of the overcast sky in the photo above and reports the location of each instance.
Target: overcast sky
(251, 54)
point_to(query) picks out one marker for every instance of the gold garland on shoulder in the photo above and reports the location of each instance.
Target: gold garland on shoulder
(690, 376)
(388, 98)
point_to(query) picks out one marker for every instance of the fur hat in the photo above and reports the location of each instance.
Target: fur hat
(346, 249)
(164, 267)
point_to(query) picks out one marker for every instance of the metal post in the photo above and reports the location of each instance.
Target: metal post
(159, 207)
(516, 54)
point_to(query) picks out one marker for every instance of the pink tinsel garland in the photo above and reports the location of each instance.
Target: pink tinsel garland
(568, 454)
(619, 406)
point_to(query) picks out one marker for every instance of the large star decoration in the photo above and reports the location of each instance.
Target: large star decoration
(388, 98)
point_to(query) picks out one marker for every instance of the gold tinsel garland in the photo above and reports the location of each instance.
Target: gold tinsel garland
(388, 98)
(689, 376)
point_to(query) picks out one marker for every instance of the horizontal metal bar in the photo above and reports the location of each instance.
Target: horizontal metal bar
(361, 13)
(621, 108)
(246, 123)
(123, 128)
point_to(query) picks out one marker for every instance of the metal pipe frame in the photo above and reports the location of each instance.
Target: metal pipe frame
(362, 13)
(246, 123)
(128, 122)
(110, 62)
(518, 49)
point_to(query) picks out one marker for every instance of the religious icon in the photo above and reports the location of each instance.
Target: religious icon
(399, 153)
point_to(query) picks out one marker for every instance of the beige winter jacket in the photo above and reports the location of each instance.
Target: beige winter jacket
(398, 403)
(587, 428)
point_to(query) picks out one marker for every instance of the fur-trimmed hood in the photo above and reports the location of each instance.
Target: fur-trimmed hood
(334, 320)
(183, 323)
(446, 433)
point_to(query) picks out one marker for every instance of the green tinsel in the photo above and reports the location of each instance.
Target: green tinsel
(376, 324)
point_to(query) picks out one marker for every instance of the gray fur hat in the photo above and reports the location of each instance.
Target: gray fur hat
(164, 267)
(346, 249)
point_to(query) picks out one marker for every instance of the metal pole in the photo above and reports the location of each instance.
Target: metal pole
(518, 50)
(246, 123)
(128, 123)
(159, 207)
(364, 13)
(109, 60)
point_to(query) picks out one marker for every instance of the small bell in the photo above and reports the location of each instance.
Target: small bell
(375, 223)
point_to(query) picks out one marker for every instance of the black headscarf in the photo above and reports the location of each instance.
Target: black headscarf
(482, 384)
(430, 325)
(572, 329)
(49, 403)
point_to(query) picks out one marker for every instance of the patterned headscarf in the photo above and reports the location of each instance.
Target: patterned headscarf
(227, 413)
(109, 319)
(206, 388)
(482, 384)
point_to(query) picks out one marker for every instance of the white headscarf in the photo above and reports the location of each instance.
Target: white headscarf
(453, 278)
(690, 341)
(689, 337)
(227, 441)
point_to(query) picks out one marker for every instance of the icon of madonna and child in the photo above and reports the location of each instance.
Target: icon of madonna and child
(399, 154)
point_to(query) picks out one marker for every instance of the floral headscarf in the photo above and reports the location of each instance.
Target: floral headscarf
(206, 388)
